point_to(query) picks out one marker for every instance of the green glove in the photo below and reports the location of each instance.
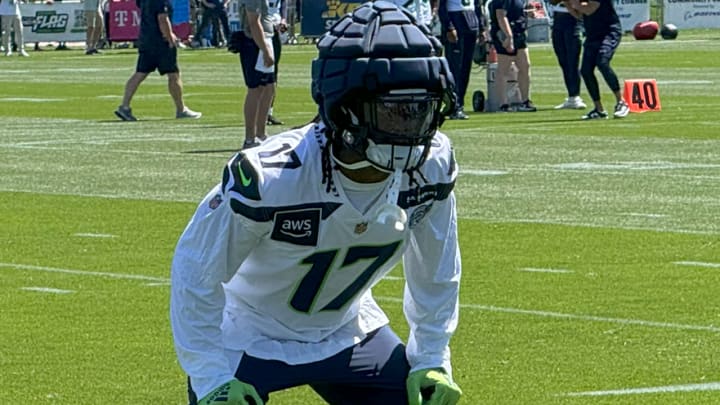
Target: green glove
(233, 392)
(432, 386)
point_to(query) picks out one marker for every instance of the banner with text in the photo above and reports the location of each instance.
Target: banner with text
(124, 16)
(632, 12)
(59, 22)
(65, 21)
(692, 13)
(318, 16)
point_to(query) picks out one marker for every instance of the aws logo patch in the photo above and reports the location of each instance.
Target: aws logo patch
(300, 227)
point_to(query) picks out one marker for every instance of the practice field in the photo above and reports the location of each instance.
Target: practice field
(591, 250)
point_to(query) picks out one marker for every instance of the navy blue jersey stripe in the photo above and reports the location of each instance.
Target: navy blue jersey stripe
(265, 214)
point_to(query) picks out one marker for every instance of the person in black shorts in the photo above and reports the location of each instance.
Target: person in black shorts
(257, 57)
(602, 38)
(508, 25)
(157, 50)
(567, 44)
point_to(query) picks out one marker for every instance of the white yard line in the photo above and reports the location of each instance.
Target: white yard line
(83, 272)
(95, 235)
(541, 270)
(47, 290)
(489, 308)
(698, 264)
(711, 386)
(591, 318)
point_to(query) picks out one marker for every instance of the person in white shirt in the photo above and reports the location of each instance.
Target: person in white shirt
(11, 21)
(272, 278)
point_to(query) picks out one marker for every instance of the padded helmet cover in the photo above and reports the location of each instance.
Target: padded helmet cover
(377, 48)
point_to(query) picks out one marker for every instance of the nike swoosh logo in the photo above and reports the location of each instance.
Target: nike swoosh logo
(244, 180)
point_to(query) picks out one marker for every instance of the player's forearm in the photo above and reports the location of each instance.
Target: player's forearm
(195, 317)
(503, 23)
(431, 301)
(431, 328)
(257, 32)
(165, 28)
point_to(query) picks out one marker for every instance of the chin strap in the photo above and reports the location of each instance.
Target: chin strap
(389, 213)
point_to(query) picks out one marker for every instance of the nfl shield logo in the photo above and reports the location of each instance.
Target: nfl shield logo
(361, 227)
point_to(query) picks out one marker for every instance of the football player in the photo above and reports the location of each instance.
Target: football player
(272, 278)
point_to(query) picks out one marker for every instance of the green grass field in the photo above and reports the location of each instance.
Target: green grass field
(591, 250)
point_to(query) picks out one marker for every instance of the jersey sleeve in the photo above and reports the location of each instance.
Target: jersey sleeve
(432, 271)
(210, 251)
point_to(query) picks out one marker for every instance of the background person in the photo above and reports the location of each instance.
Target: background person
(213, 12)
(461, 27)
(508, 25)
(94, 22)
(254, 43)
(567, 45)
(603, 33)
(157, 50)
(11, 22)
(259, 305)
(278, 13)
(421, 9)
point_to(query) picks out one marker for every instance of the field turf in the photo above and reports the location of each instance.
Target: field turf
(591, 250)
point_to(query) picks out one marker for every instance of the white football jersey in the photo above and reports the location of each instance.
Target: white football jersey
(274, 265)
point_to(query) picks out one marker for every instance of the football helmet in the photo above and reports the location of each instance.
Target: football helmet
(381, 86)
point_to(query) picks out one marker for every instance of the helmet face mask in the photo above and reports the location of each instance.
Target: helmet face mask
(393, 130)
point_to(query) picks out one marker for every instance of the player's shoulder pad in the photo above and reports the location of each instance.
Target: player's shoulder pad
(247, 172)
(437, 175)
(271, 175)
(440, 166)
(242, 176)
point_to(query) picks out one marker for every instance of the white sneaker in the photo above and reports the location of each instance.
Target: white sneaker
(621, 109)
(8, 53)
(572, 103)
(23, 53)
(188, 113)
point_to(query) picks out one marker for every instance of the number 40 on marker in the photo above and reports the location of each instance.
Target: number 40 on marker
(642, 95)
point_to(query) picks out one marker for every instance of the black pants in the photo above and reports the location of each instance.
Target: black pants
(598, 53)
(567, 46)
(459, 55)
(215, 15)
